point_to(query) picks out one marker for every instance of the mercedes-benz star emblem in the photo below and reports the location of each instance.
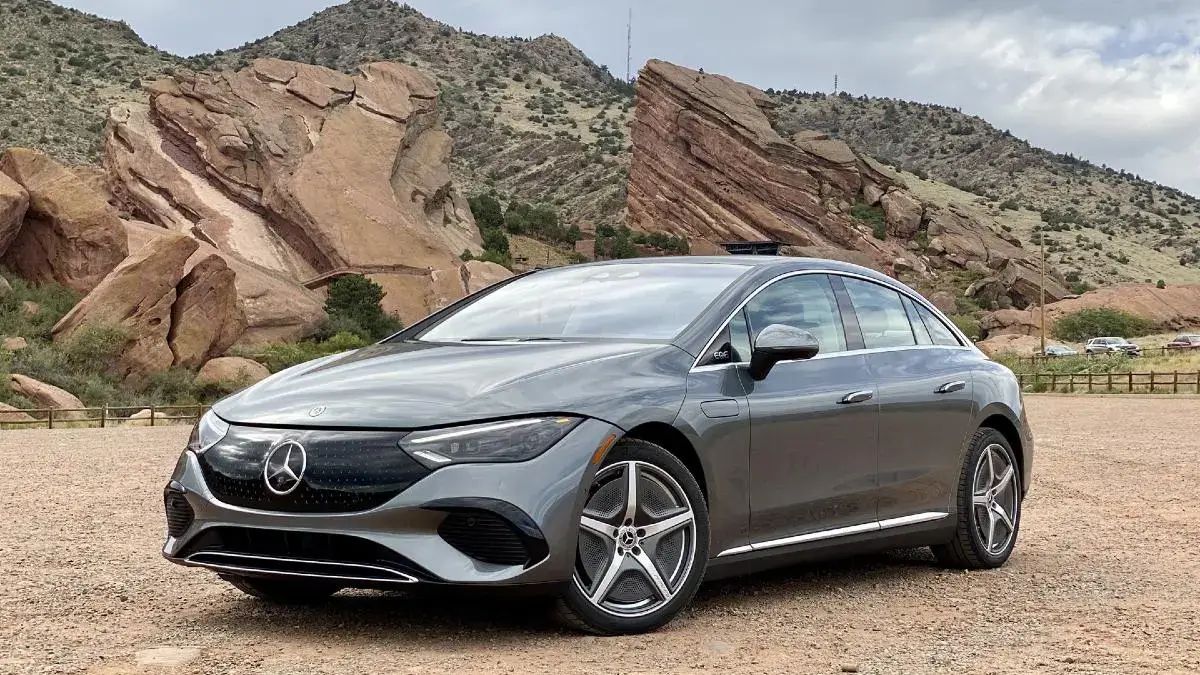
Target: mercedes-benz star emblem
(284, 467)
(317, 411)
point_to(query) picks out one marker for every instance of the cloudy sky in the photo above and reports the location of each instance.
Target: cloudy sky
(1115, 81)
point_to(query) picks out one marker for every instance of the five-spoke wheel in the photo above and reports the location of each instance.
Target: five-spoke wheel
(643, 542)
(994, 498)
(989, 504)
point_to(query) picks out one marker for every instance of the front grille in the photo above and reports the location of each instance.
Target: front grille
(345, 471)
(484, 536)
(179, 512)
(293, 552)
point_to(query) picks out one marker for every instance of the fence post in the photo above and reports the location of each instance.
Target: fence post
(50, 419)
(1090, 374)
(104, 416)
(151, 415)
(1152, 382)
(1054, 381)
(1198, 381)
(1175, 382)
(1130, 373)
(1110, 380)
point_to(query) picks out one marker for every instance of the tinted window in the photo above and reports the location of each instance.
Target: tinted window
(805, 302)
(881, 315)
(625, 300)
(918, 325)
(940, 333)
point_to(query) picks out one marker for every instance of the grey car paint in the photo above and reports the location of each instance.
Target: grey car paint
(812, 467)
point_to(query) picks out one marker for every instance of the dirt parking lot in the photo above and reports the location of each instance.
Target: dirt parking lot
(1105, 578)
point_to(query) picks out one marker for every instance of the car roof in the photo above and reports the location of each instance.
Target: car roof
(757, 262)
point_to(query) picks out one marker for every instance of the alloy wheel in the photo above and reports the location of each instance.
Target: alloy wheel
(994, 498)
(637, 539)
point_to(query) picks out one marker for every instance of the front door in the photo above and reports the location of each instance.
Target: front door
(813, 438)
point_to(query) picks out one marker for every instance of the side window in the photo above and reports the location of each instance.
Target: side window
(941, 334)
(881, 315)
(918, 325)
(804, 301)
(732, 344)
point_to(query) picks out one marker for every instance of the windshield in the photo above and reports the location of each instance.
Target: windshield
(622, 300)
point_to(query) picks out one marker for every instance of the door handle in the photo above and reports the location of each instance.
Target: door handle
(957, 385)
(857, 397)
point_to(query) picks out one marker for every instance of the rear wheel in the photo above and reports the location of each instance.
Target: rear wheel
(643, 543)
(989, 505)
(283, 591)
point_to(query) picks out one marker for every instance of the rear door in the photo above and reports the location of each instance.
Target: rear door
(923, 376)
(812, 444)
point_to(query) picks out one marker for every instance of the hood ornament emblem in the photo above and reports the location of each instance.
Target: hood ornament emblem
(317, 411)
(285, 467)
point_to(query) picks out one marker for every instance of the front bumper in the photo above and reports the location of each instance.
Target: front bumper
(541, 497)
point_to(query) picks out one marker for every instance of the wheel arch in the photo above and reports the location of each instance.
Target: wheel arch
(675, 442)
(1011, 432)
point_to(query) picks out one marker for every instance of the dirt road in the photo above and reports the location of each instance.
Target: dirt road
(1106, 578)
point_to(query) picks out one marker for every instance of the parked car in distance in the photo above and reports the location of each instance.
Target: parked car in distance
(1112, 345)
(1185, 342)
(1054, 351)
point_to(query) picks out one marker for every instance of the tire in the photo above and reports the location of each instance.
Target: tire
(982, 487)
(283, 591)
(612, 590)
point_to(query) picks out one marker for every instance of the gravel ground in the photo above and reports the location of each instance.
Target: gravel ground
(1105, 578)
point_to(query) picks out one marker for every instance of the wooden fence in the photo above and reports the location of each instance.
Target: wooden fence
(101, 417)
(1173, 382)
(1036, 360)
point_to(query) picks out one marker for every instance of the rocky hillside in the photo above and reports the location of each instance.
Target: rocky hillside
(1101, 224)
(60, 70)
(535, 118)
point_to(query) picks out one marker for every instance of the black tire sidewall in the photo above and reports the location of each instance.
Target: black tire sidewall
(979, 547)
(597, 620)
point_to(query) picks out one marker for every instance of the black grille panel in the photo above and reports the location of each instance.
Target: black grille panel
(484, 536)
(345, 471)
(179, 512)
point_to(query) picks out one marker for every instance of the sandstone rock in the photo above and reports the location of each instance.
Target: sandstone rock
(10, 413)
(1176, 307)
(71, 234)
(977, 267)
(707, 164)
(900, 265)
(987, 291)
(943, 300)
(478, 275)
(140, 418)
(13, 202)
(137, 297)
(1023, 284)
(13, 344)
(207, 316)
(303, 171)
(872, 194)
(30, 308)
(1020, 345)
(5, 287)
(277, 309)
(231, 369)
(44, 395)
(903, 213)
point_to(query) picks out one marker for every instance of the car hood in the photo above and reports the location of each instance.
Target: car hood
(415, 384)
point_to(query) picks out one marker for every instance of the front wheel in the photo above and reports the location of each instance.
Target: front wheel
(989, 505)
(643, 543)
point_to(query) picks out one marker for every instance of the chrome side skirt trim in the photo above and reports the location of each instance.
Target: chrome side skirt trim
(873, 526)
(256, 564)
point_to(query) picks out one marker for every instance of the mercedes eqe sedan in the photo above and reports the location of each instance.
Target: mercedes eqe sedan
(613, 434)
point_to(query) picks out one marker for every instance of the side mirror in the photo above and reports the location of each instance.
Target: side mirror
(778, 342)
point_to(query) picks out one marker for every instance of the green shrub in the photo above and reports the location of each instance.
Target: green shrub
(52, 299)
(1160, 284)
(1099, 321)
(279, 356)
(968, 324)
(354, 305)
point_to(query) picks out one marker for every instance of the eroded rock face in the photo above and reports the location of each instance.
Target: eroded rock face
(207, 316)
(231, 369)
(13, 202)
(303, 171)
(71, 234)
(43, 394)
(136, 297)
(707, 164)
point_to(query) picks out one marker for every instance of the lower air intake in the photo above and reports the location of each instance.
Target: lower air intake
(484, 536)
(179, 512)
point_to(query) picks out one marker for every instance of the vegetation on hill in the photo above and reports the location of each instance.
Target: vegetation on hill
(60, 71)
(1100, 322)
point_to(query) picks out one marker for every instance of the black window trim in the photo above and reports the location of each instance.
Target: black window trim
(964, 342)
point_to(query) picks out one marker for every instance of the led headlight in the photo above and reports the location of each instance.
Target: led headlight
(505, 441)
(207, 432)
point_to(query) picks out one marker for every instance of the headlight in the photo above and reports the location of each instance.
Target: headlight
(505, 441)
(207, 432)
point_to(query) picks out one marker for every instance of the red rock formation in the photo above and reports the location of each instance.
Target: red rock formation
(304, 171)
(1175, 307)
(70, 235)
(13, 202)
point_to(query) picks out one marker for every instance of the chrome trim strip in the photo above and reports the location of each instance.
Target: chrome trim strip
(966, 342)
(234, 558)
(873, 526)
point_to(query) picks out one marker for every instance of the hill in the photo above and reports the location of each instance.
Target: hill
(61, 69)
